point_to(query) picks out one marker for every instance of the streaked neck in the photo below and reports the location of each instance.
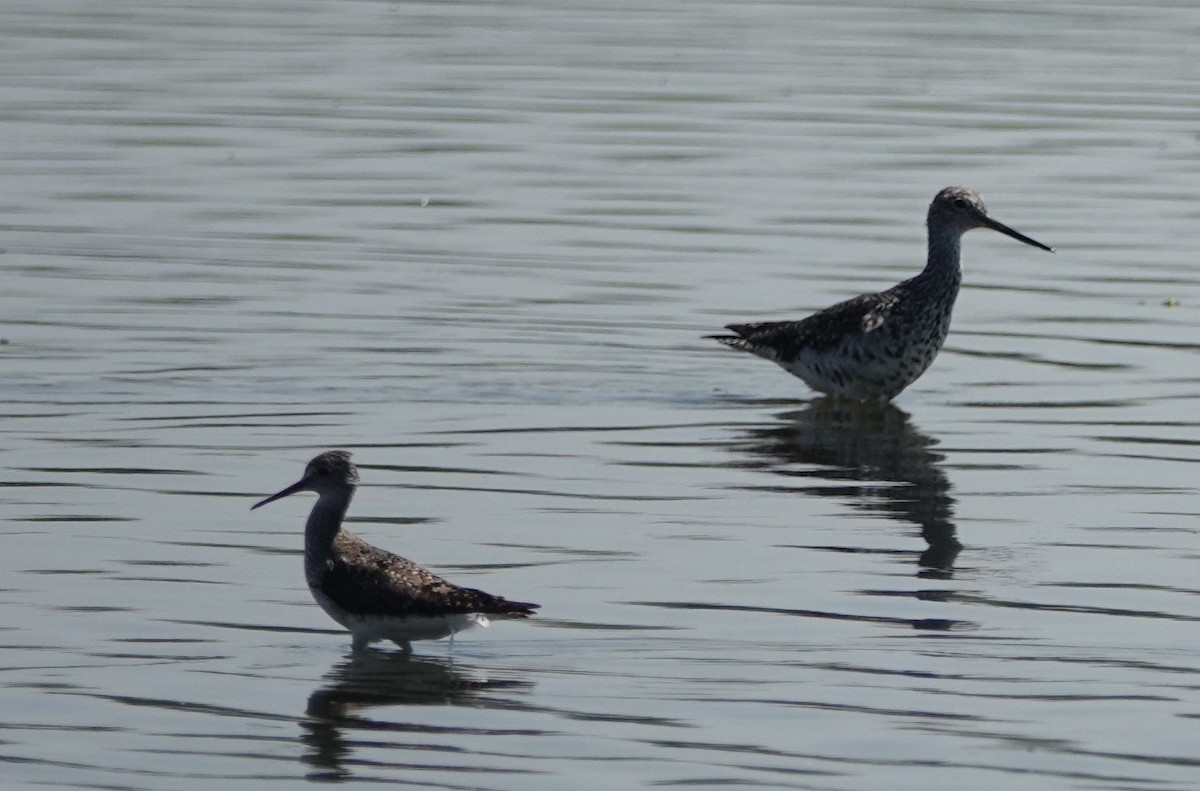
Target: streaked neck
(945, 250)
(325, 520)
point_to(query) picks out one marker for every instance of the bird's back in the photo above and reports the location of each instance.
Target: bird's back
(820, 332)
(364, 580)
(869, 346)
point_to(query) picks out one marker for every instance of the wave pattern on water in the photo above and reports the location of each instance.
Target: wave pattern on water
(478, 244)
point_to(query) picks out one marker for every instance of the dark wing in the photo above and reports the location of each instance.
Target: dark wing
(783, 340)
(370, 581)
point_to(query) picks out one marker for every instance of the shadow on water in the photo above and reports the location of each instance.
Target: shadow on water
(375, 678)
(890, 463)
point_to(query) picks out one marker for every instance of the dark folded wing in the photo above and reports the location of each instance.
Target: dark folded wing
(818, 332)
(366, 580)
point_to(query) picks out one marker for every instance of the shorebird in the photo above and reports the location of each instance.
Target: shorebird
(375, 594)
(875, 345)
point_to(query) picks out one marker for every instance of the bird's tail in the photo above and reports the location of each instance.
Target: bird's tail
(732, 341)
(748, 338)
(513, 609)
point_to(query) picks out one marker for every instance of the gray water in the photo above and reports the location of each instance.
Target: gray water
(478, 243)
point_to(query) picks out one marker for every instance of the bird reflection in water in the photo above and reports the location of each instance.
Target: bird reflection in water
(370, 678)
(875, 445)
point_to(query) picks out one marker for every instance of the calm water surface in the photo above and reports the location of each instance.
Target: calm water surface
(477, 244)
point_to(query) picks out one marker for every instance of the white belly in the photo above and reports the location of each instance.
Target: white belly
(401, 631)
(861, 369)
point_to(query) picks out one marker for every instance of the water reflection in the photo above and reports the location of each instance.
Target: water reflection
(372, 678)
(894, 469)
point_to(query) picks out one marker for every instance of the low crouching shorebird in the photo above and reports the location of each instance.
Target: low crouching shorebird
(371, 592)
(875, 345)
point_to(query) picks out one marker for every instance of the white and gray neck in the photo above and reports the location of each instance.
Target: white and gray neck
(945, 251)
(325, 522)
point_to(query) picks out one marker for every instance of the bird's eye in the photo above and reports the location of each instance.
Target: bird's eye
(322, 470)
(959, 203)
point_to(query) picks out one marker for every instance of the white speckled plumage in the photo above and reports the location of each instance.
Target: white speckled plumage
(875, 345)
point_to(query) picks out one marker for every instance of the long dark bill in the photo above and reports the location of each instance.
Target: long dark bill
(298, 486)
(1020, 237)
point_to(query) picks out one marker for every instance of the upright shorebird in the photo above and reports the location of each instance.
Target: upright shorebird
(875, 345)
(371, 592)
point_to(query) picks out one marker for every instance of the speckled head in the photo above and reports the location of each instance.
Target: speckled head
(329, 473)
(957, 210)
